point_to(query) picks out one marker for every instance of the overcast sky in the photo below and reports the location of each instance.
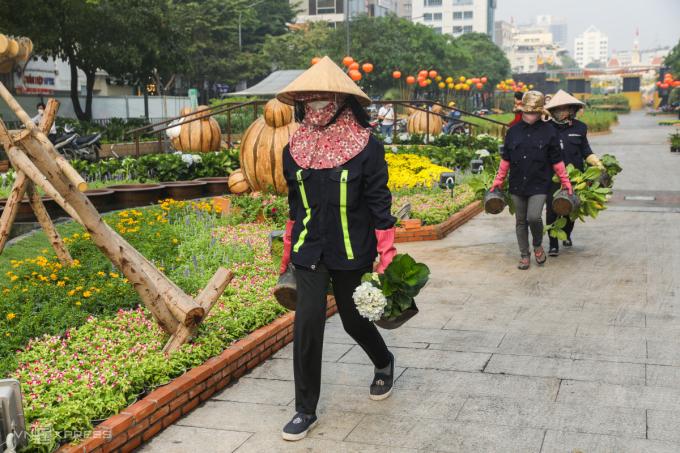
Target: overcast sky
(658, 20)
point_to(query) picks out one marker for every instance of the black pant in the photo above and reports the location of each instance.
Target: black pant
(550, 217)
(310, 320)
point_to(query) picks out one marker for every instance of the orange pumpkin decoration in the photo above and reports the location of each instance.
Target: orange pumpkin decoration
(199, 136)
(418, 123)
(354, 66)
(315, 60)
(237, 182)
(261, 152)
(433, 74)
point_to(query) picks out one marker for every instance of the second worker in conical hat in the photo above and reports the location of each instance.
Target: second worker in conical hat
(531, 153)
(573, 133)
(340, 221)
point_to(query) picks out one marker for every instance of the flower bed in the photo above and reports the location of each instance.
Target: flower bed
(101, 351)
(433, 206)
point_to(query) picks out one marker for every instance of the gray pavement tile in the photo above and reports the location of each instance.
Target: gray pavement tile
(587, 370)
(574, 347)
(251, 417)
(426, 358)
(181, 439)
(663, 376)
(451, 436)
(264, 391)
(456, 340)
(331, 372)
(462, 383)
(272, 442)
(331, 351)
(663, 352)
(565, 442)
(552, 415)
(663, 425)
(603, 394)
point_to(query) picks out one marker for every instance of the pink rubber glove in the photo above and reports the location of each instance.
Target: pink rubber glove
(287, 246)
(386, 248)
(561, 172)
(500, 176)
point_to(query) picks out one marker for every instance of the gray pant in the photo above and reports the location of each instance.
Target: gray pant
(528, 215)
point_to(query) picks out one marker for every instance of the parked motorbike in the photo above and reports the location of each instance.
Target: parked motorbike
(73, 146)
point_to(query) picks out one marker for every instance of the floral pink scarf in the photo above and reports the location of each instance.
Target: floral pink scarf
(315, 146)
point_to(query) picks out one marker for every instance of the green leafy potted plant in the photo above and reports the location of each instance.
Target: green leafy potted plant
(675, 142)
(389, 299)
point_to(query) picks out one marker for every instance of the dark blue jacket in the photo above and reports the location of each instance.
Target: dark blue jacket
(532, 150)
(574, 141)
(337, 210)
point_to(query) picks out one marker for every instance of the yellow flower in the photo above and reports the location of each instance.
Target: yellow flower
(78, 302)
(114, 275)
(87, 294)
(174, 240)
(79, 288)
(14, 278)
(61, 283)
(5, 291)
(53, 276)
(125, 280)
(86, 235)
(71, 292)
(7, 334)
(101, 274)
(11, 316)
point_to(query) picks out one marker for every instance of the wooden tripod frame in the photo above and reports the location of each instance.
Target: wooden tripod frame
(37, 163)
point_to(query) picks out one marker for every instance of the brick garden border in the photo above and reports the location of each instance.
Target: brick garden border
(147, 417)
(441, 230)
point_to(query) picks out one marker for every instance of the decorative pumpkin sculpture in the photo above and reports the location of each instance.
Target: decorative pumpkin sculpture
(199, 136)
(262, 146)
(418, 123)
(237, 183)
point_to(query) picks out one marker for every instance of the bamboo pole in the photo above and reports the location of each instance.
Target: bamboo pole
(11, 208)
(48, 148)
(52, 234)
(112, 245)
(206, 299)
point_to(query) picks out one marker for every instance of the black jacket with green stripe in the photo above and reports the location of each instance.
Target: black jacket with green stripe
(337, 210)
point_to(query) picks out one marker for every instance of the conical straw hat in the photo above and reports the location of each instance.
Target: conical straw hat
(562, 98)
(324, 77)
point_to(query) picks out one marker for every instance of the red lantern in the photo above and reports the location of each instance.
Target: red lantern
(347, 61)
(479, 85)
(410, 80)
(396, 75)
(664, 86)
(676, 83)
(422, 74)
(422, 83)
(433, 74)
(354, 66)
(367, 67)
(355, 75)
(315, 60)
(658, 83)
(484, 80)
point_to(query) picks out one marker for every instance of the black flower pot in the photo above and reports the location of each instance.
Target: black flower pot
(494, 202)
(285, 290)
(398, 321)
(564, 204)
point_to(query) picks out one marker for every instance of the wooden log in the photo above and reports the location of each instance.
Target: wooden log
(206, 299)
(11, 208)
(49, 115)
(114, 246)
(61, 162)
(24, 166)
(47, 226)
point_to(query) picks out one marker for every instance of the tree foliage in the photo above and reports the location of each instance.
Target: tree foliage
(487, 58)
(672, 60)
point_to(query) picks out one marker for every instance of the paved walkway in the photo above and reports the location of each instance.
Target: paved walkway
(580, 355)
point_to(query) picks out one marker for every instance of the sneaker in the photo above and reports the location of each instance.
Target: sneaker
(381, 387)
(554, 251)
(567, 243)
(298, 427)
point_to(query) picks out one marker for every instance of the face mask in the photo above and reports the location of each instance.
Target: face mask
(40, 111)
(321, 116)
(530, 118)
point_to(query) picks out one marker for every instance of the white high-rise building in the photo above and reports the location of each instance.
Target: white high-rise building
(455, 17)
(591, 46)
(555, 25)
(333, 11)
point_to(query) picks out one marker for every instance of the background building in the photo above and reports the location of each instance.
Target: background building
(591, 46)
(455, 17)
(555, 25)
(529, 48)
(333, 11)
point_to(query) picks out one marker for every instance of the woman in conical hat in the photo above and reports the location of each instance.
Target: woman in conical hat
(573, 133)
(340, 221)
(531, 153)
